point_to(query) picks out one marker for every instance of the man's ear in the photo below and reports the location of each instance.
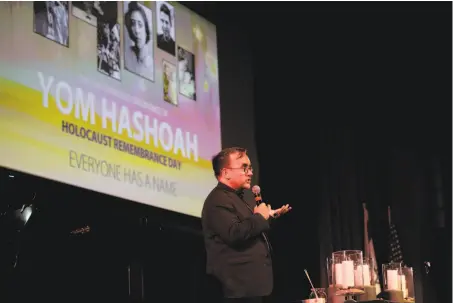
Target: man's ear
(225, 174)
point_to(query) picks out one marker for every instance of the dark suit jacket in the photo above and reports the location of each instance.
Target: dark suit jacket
(168, 46)
(238, 254)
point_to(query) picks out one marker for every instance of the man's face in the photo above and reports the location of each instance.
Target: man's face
(165, 22)
(238, 172)
(115, 34)
(88, 6)
(106, 30)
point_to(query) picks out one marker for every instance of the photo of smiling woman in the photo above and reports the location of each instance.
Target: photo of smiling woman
(138, 40)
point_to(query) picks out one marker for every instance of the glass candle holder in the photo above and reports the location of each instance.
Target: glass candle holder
(362, 273)
(392, 273)
(347, 269)
(320, 292)
(407, 283)
(329, 268)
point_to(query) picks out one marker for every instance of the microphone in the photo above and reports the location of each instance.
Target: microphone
(256, 190)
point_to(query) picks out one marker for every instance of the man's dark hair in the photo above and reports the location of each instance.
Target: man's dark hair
(222, 159)
(164, 9)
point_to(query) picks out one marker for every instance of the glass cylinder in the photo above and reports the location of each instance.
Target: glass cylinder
(347, 267)
(407, 283)
(365, 272)
(320, 292)
(392, 273)
(329, 267)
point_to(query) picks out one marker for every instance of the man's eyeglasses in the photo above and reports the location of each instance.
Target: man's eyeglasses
(246, 169)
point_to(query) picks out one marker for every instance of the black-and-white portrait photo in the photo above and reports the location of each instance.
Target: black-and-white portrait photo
(92, 11)
(186, 73)
(165, 14)
(138, 40)
(51, 20)
(109, 50)
(169, 82)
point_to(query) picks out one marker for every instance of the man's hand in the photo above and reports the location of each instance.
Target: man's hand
(280, 211)
(263, 210)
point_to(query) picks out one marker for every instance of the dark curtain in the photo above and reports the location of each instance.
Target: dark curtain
(361, 167)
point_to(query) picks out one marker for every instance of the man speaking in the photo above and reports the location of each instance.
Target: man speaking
(234, 229)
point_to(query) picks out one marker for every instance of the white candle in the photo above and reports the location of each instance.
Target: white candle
(392, 279)
(403, 285)
(366, 275)
(362, 275)
(348, 273)
(358, 276)
(338, 274)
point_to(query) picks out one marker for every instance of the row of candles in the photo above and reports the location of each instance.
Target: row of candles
(349, 270)
(348, 276)
(397, 277)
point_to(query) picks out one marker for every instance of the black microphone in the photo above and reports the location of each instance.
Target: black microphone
(256, 190)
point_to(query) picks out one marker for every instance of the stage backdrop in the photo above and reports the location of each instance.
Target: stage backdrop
(117, 97)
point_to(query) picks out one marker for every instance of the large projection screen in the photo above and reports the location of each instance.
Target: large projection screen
(120, 98)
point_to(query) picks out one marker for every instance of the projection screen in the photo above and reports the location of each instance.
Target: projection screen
(120, 98)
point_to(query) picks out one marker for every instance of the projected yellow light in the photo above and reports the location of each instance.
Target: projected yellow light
(73, 97)
(198, 33)
(210, 60)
